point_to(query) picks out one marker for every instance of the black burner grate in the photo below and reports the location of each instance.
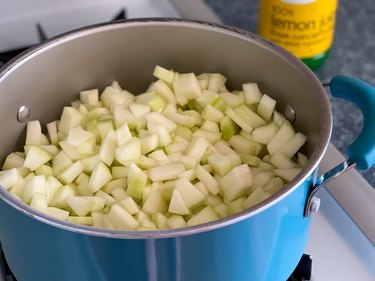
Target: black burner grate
(5, 272)
(303, 269)
(7, 56)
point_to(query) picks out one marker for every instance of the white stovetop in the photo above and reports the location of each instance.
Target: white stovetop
(338, 248)
(341, 248)
(18, 18)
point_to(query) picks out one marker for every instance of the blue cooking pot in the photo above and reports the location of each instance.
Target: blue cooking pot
(263, 243)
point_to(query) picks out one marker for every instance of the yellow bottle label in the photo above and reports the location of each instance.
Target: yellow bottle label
(304, 27)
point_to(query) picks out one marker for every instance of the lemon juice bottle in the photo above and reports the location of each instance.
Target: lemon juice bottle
(304, 27)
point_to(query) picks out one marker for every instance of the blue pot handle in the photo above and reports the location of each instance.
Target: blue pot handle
(362, 150)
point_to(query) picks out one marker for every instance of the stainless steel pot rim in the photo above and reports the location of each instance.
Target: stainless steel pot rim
(305, 174)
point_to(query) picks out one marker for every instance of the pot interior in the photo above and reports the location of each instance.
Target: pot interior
(50, 75)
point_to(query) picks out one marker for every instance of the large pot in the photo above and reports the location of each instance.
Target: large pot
(264, 242)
